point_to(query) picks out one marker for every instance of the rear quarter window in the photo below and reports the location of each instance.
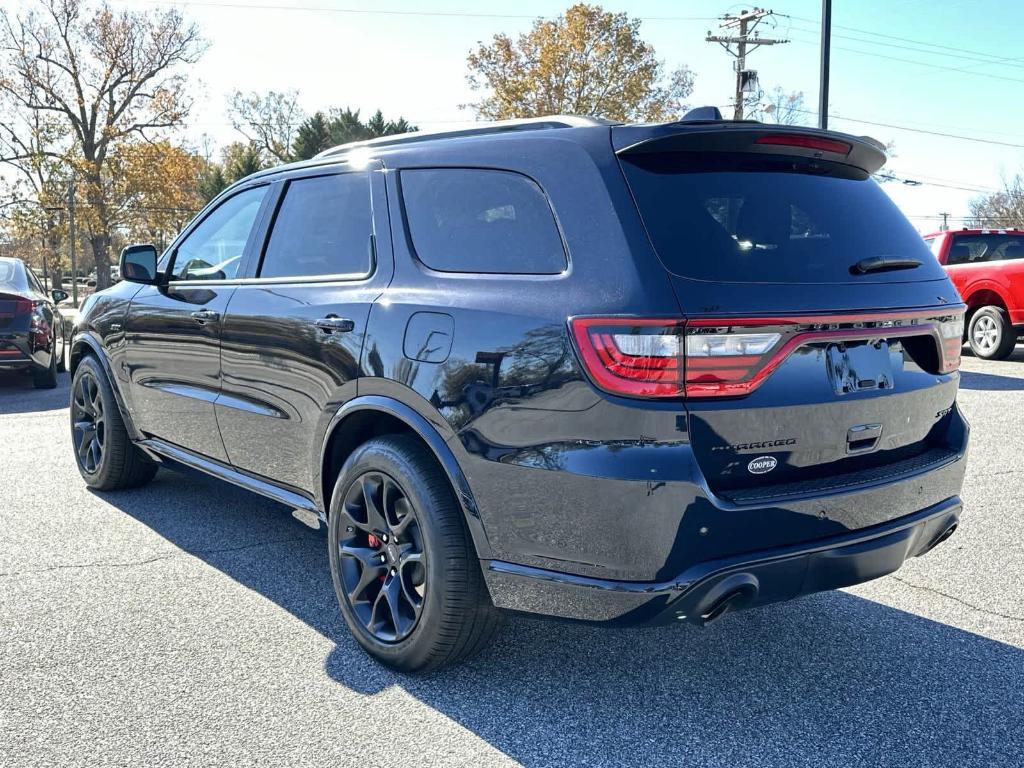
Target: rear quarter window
(480, 221)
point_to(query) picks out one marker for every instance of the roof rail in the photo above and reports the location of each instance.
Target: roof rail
(474, 129)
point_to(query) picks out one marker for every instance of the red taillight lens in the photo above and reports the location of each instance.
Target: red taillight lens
(24, 306)
(625, 356)
(951, 332)
(806, 142)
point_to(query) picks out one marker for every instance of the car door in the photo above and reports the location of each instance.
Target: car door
(293, 332)
(172, 331)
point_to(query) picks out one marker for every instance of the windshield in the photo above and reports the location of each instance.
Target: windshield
(748, 218)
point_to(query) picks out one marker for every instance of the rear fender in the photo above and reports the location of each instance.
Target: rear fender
(434, 440)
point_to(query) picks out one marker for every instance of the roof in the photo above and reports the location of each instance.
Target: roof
(473, 129)
(975, 231)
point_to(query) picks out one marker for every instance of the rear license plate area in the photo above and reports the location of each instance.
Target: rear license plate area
(859, 367)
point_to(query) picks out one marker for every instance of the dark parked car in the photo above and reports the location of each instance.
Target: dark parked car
(31, 326)
(613, 373)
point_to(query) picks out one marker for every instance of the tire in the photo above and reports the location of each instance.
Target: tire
(106, 457)
(990, 334)
(415, 509)
(46, 378)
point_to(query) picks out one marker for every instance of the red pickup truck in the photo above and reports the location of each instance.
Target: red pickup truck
(987, 268)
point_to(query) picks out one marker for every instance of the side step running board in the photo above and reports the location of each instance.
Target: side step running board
(297, 501)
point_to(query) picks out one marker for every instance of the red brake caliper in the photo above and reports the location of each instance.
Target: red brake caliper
(375, 543)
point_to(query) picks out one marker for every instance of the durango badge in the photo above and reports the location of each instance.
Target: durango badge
(762, 464)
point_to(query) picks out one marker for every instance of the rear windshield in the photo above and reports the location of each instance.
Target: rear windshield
(968, 249)
(10, 276)
(747, 218)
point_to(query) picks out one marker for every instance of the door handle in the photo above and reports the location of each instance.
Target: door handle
(205, 316)
(335, 324)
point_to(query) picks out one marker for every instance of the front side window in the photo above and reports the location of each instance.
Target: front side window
(322, 228)
(214, 249)
(484, 221)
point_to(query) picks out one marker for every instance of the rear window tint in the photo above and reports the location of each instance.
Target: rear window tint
(463, 220)
(970, 249)
(322, 228)
(9, 274)
(744, 218)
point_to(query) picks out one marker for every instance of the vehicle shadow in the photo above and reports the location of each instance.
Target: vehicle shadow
(832, 679)
(17, 395)
(989, 381)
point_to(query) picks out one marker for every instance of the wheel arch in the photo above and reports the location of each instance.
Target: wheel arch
(984, 297)
(368, 416)
(85, 345)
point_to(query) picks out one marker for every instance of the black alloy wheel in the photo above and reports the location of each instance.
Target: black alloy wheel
(106, 457)
(383, 565)
(404, 568)
(88, 423)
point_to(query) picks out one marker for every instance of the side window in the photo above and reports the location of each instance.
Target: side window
(962, 252)
(214, 249)
(463, 220)
(322, 228)
(34, 281)
(1012, 249)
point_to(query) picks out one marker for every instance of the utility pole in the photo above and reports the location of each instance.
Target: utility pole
(826, 55)
(71, 239)
(747, 41)
(945, 222)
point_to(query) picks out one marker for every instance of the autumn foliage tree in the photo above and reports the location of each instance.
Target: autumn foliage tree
(586, 62)
(109, 77)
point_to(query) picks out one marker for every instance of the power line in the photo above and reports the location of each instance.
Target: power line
(919, 130)
(917, 62)
(967, 57)
(955, 49)
(385, 11)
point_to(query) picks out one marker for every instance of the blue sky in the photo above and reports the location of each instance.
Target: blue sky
(967, 78)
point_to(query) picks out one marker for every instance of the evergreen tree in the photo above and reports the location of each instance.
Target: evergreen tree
(241, 160)
(312, 137)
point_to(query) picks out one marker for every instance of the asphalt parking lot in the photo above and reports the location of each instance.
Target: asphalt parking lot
(190, 623)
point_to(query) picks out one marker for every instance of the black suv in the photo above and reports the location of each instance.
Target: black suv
(613, 373)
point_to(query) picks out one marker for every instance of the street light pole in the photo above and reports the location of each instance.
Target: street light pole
(826, 45)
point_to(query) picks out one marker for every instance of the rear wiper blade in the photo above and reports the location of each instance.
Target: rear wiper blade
(882, 264)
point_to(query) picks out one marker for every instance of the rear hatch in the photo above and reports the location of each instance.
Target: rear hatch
(821, 340)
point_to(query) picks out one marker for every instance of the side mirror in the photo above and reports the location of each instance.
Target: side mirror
(138, 264)
(58, 295)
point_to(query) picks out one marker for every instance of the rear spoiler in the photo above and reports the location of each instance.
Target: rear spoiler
(750, 137)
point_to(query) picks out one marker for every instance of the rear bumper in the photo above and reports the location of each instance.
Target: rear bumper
(707, 590)
(17, 351)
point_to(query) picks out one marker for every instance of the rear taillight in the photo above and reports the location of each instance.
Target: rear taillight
(715, 358)
(625, 356)
(24, 306)
(951, 332)
(727, 360)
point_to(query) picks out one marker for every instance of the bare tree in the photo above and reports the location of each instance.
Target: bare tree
(1000, 210)
(784, 108)
(107, 76)
(269, 122)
